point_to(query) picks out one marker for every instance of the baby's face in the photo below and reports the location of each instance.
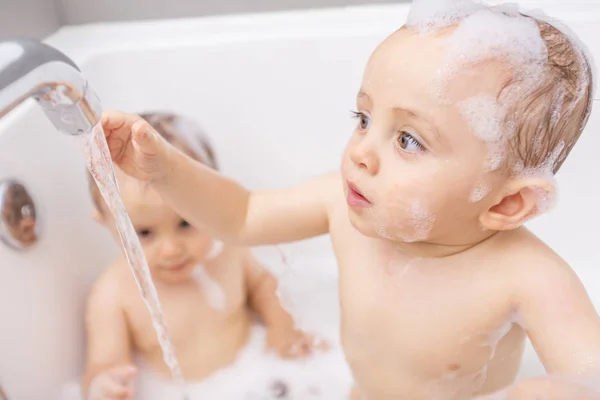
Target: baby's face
(413, 166)
(173, 248)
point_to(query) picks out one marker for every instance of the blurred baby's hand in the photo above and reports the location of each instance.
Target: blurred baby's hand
(135, 146)
(293, 343)
(114, 384)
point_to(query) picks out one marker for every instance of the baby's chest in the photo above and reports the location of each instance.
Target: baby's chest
(191, 312)
(418, 315)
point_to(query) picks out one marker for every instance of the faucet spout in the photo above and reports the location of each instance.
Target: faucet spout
(31, 69)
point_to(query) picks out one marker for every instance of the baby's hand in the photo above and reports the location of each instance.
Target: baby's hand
(114, 384)
(135, 146)
(292, 343)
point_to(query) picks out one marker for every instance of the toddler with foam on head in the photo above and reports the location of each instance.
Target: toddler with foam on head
(464, 116)
(207, 291)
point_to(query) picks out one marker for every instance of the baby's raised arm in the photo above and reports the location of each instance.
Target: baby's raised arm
(211, 201)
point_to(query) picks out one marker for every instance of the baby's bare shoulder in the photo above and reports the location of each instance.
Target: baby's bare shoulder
(110, 287)
(529, 264)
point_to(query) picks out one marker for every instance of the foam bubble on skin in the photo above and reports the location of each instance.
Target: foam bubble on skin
(545, 199)
(495, 34)
(427, 15)
(421, 221)
(413, 225)
(494, 337)
(215, 250)
(486, 119)
(215, 296)
(481, 190)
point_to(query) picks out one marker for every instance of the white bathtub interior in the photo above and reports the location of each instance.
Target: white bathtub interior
(273, 92)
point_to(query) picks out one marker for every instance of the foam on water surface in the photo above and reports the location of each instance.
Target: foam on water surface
(259, 375)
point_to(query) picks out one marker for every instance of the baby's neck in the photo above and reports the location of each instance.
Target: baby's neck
(426, 249)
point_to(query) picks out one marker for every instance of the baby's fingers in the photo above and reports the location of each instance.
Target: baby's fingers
(116, 391)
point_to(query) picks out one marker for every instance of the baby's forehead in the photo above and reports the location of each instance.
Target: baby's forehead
(419, 63)
(136, 195)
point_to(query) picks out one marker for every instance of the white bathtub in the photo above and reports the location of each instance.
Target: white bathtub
(273, 91)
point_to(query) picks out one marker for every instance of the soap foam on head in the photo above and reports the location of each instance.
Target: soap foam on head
(486, 119)
(483, 33)
(427, 15)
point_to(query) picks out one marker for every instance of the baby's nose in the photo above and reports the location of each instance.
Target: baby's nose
(364, 156)
(172, 247)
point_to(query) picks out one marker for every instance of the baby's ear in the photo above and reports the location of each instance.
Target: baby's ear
(521, 200)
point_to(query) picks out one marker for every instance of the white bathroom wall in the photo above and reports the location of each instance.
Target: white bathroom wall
(39, 18)
(35, 18)
(86, 11)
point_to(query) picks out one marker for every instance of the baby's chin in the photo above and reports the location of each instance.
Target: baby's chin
(373, 225)
(172, 277)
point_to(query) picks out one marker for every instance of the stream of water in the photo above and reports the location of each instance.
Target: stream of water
(99, 163)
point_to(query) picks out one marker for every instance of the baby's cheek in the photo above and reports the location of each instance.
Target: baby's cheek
(407, 219)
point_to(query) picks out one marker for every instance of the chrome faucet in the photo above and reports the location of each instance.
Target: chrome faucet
(31, 69)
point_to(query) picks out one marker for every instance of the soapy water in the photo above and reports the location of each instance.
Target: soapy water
(254, 375)
(259, 375)
(99, 163)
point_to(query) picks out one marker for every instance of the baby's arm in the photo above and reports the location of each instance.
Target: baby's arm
(232, 213)
(108, 369)
(209, 200)
(561, 321)
(261, 287)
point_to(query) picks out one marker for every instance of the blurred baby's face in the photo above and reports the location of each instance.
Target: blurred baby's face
(413, 169)
(173, 248)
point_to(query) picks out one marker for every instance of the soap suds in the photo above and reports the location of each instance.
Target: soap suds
(210, 288)
(428, 15)
(421, 221)
(481, 190)
(486, 119)
(215, 250)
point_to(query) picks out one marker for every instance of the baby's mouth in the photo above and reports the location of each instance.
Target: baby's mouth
(177, 266)
(355, 198)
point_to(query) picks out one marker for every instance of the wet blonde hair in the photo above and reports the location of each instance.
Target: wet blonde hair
(550, 118)
(181, 132)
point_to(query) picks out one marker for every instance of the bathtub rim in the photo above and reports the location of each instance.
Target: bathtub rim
(348, 21)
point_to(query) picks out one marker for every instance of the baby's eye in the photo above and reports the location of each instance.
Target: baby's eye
(184, 224)
(409, 143)
(144, 233)
(363, 120)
